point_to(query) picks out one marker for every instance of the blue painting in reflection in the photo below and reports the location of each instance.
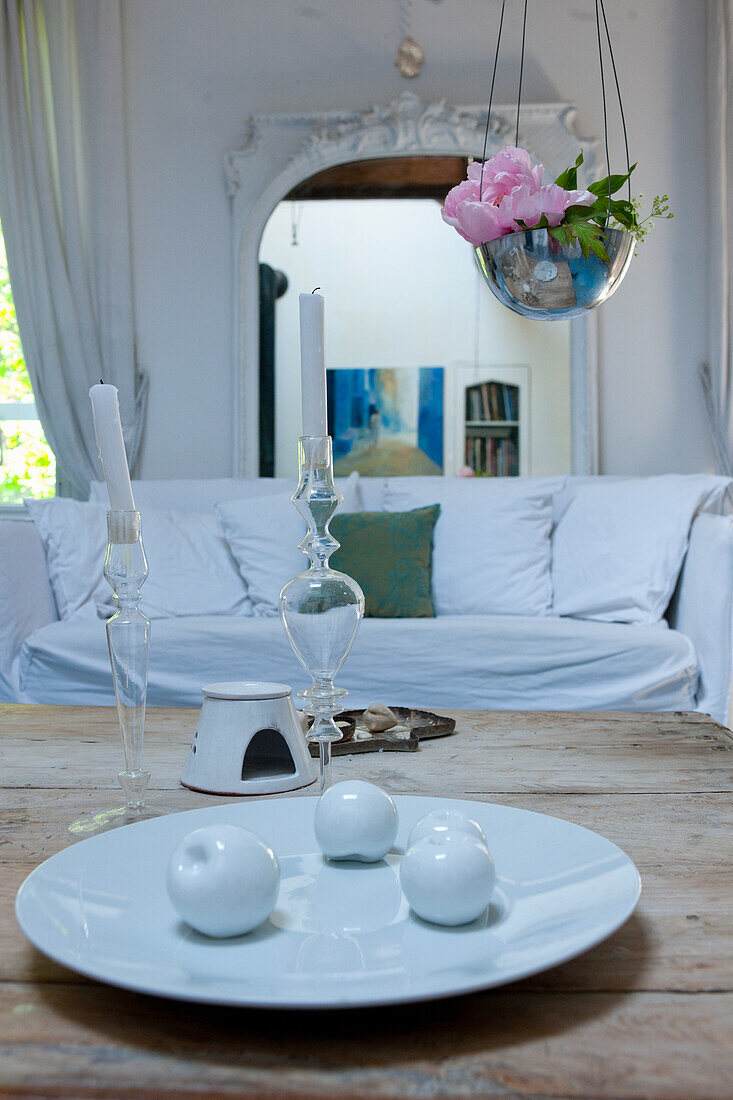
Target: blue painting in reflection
(386, 421)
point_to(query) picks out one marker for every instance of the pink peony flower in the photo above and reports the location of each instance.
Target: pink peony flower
(550, 200)
(511, 191)
(506, 170)
(478, 222)
(464, 192)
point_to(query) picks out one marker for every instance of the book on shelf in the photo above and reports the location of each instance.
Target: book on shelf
(485, 402)
(492, 456)
(492, 429)
(490, 402)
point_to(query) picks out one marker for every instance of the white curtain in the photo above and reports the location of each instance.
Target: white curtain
(717, 375)
(65, 218)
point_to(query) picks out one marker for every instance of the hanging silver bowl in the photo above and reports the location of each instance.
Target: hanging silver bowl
(536, 276)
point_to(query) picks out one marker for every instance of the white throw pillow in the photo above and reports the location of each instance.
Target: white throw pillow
(619, 547)
(191, 569)
(263, 535)
(491, 548)
(74, 537)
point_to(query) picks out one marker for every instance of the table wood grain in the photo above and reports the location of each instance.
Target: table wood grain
(648, 1013)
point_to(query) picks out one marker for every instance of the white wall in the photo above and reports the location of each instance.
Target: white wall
(197, 68)
(402, 290)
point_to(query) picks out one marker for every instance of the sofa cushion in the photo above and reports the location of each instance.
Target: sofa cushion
(74, 538)
(492, 541)
(451, 661)
(372, 490)
(390, 554)
(263, 535)
(191, 572)
(619, 545)
(562, 498)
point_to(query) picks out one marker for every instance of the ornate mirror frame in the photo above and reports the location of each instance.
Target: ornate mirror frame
(281, 150)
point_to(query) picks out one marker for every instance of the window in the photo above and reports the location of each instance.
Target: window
(27, 464)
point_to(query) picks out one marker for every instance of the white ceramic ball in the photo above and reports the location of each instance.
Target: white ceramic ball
(223, 880)
(439, 822)
(448, 879)
(355, 820)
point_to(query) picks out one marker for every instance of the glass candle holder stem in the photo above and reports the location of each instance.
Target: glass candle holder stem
(128, 640)
(320, 608)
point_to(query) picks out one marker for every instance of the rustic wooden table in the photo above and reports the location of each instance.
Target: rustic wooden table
(648, 1013)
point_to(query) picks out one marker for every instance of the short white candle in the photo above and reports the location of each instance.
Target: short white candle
(108, 430)
(312, 365)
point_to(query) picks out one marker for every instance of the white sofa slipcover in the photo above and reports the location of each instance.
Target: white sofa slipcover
(505, 662)
(501, 662)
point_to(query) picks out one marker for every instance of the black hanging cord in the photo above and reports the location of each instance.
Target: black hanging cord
(491, 96)
(521, 71)
(603, 94)
(600, 13)
(618, 93)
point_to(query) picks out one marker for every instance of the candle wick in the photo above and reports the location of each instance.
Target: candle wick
(315, 289)
(101, 381)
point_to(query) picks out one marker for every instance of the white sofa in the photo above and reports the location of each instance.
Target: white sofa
(544, 662)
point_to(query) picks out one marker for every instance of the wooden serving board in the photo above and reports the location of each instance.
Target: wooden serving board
(414, 726)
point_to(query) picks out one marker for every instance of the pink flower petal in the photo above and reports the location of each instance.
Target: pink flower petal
(479, 222)
(581, 198)
(467, 189)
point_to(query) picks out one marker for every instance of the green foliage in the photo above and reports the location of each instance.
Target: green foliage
(587, 224)
(27, 464)
(641, 227)
(609, 185)
(13, 376)
(580, 227)
(569, 178)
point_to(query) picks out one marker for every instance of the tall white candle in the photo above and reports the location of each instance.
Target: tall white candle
(108, 430)
(312, 365)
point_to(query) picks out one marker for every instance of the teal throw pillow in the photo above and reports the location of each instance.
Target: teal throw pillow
(390, 554)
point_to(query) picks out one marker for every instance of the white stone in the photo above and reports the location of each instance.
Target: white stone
(378, 717)
(355, 820)
(448, 879)
(223, 880)
(439, 822)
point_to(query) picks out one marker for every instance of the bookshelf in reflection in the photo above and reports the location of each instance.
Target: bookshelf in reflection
(492, 424)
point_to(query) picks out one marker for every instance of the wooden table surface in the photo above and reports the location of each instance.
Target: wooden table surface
(648, 1013)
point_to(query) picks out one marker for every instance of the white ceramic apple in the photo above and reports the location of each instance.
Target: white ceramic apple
(439, 822)
(223, 880)
(355, 820)
(448, 879)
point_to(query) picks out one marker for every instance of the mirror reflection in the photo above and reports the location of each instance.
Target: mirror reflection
(427, 372)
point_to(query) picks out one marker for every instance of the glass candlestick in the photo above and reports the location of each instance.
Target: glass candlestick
(321, 609)
(128, 641)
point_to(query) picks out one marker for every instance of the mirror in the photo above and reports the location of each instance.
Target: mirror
(427, 372)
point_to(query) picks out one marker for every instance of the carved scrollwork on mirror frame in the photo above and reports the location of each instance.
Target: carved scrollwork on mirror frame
(279, 151)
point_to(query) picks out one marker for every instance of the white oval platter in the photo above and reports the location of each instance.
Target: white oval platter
(342, 934)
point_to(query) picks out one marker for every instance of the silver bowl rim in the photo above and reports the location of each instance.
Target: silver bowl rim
(629, 241)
